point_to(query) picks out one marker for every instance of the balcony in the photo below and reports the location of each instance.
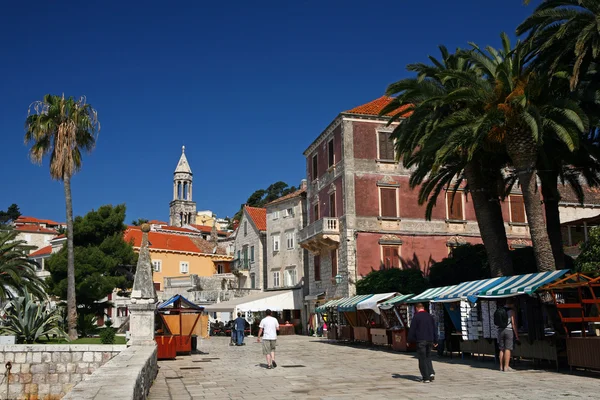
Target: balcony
(241, 264)
(321, 235)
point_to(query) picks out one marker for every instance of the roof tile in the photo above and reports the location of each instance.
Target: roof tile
(374, 107)
(259, 216)
(44, 251)
(288, 196)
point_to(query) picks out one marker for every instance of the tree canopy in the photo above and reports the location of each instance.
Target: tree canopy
(588, 261)
(389, 280)
(11, 214)
(262, 197)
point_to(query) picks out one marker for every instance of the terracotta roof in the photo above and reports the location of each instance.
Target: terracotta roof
(157, 222)
(207, 228)
(31, 220)
(176, 229)
(259, 216)
(34, 229)
(591, 195)
(374, 107)
(288, 196)
(173, 242)
(59, 237)
(44, 251)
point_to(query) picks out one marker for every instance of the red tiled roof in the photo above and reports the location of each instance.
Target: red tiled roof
(591, 195)
(259, 216)
(44, 251)
(34, 229)
(170, 241)
(206, 228)
(374, 107)
(31, 220)
(287, 196)
(59, 237)
(157, 222)
(176, 229)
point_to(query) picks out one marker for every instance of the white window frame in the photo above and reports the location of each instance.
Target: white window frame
(275, 215)
(276, 243)
(289, 239)
(287, 276)
(276, 279)
(462, 202)
(155, 264)
(184, 267)
(379, 189)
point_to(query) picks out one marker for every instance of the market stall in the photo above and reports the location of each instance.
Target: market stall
(375, 319)
(179, 321)
(330, 316)
(397, 323)
(356, 327)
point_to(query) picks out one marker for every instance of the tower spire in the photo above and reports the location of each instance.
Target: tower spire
(182, 208)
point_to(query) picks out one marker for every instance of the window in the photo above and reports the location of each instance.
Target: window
(386, 146)
(455, 206)
(157, 265)
(388, 202)
(184, 267)
(276, 242)
(288, 212)
(289, 238)
(330, 154)
(316, 211)
(517, 209)
(157, 286)
(275, 215)
(334, 263)
(121, 311)
(252, 281)
(238, 257)
(245, 228)
(315, 167)
(290, 277)
(317, 261)
(391, 257)
(276, 279)
(251, 254)
(220, 269)
(245, 253)
(332, 211)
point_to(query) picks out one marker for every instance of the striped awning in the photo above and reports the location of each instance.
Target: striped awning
(386, 305)
(467, 290)
(522, 284)
(431, 294)
(330, 304)
(350, 304)
(372, 302)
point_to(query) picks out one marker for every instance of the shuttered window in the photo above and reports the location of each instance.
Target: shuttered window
(316, 211)
(332, 212)
(330, 154)
(517, 209)
(388, 202)
(315, 167)
(334, 263)
(317, 261)
(386, 146)
(455, 206)
(391, 257)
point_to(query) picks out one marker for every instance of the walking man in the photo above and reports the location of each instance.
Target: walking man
(239, 325)
(423, 332)
(504, 319)
(268, 329)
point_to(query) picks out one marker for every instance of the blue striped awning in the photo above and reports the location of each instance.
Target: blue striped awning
(330, 304)
(430, 294)
(467, 290)
(350, 304)
(522, 284)
(386, 305)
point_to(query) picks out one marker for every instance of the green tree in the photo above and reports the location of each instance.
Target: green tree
(62, 128)
(103, 260)
(588, 261)
(389, 280)
(11, 214)
(262, 197)
(17, 272)
(139, 222)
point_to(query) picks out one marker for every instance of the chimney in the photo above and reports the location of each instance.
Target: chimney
(303, 184)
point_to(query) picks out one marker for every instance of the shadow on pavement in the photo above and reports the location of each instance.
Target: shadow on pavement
(413, 378)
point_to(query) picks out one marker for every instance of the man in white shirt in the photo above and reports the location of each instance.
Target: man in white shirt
(269, 326)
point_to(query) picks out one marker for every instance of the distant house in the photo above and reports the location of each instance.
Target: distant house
(250, 247)
(40, 256)
(36, 232)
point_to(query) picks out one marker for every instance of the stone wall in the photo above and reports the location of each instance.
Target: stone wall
(128, 376)
(50, 371)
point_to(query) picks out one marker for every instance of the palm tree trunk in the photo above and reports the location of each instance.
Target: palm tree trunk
(551, 199)
(71, 300)
(490, 221)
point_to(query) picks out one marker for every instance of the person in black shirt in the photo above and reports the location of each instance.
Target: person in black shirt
(423, 332)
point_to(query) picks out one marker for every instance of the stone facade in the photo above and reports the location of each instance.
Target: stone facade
(182, 208)
(250, 253)
(50, 371)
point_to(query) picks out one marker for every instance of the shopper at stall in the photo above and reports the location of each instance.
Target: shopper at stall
(423, 332)
(268, 329)
(239, 326)
(504, 319)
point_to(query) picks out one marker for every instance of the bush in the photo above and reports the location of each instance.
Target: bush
(87, 325)
(588, 262)
(107, 335)
(389, 280)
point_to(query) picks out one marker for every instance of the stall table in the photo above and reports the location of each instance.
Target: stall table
(286, 329)
(362, 334)
(346, 333)
(400, 340)
(584, 352)
(381, 336)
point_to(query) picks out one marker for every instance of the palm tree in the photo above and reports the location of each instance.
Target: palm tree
(430, 120)
(61, 128)
(17, 272)
(564, 33)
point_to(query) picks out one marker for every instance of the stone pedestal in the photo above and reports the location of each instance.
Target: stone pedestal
(141, 322)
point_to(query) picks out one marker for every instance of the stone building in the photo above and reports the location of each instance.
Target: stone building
(250, 248)
(286, 216)
(40, 256)
(182, 208)
(37, 233)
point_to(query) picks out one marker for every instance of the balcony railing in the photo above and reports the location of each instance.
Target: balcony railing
(324, 226)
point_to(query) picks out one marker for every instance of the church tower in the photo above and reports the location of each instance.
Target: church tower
(183, 209)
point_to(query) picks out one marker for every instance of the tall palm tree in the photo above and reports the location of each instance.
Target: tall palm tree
(432, 116)
(62, 128)
(17, 272)
(564, 33)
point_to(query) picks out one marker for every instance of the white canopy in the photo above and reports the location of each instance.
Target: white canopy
(275, 300)
(371, 302)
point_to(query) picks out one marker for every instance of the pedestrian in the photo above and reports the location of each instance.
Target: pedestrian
(504, 319)
(268, 329)
(239, 325)
(423, 332)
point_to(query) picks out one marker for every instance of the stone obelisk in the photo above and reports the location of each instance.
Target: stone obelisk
(143, 298)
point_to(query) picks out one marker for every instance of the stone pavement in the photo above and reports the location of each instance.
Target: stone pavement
(312, 368)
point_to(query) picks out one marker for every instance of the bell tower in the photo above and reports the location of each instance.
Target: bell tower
(182, 208)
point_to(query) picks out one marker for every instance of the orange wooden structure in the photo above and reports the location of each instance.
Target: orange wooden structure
(179, 320)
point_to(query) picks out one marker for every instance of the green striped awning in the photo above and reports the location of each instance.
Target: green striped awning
(350, 304)
(431, 294)
(330, 304)
(522, 284)
(386, 305)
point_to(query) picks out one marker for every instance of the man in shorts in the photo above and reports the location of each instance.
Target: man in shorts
(268, 329)
(507, 335)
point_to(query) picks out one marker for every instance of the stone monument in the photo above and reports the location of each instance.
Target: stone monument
(143, 298)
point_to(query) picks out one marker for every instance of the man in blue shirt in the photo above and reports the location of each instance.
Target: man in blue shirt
(239, 326)
(423, 332)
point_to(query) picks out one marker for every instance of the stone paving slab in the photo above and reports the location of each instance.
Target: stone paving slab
(335, 372)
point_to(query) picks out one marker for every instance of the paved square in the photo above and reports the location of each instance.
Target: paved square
(313, 368)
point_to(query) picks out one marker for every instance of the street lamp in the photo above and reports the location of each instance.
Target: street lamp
(338, 279)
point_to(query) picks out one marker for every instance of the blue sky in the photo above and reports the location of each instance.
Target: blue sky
(245, 86)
